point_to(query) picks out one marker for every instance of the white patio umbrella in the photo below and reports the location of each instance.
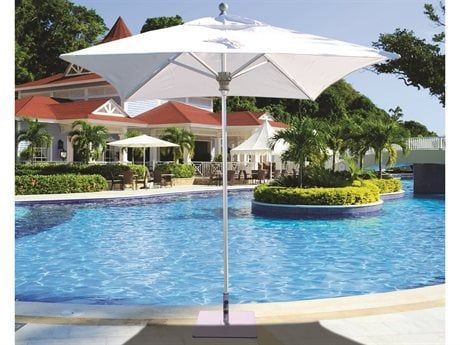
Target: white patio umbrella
(220, 57)
(142, 141)
(260, 143)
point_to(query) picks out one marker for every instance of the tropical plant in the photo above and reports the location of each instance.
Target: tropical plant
(89, 141)
(182, 137)
(336, 134)
(384, 135)
(306, 143)
(36, 135)
(137, 151)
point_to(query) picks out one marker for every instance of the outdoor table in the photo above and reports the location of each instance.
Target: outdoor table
(134, 179)
(168, 178)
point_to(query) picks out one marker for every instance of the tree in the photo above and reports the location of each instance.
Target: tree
(306, 143)
(89, 141)
(45, 29)
(156, 23)
(182, 137)
(416, 129)
(237, 103)
(36, 135)
(422, 64)
(336, 135)
(383, 134)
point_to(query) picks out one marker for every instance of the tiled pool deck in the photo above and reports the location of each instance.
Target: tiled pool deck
(414, 316)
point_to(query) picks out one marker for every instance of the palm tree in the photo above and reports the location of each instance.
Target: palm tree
(336, 138)
(137, 151)
(36, 135)
(306, 142)
(383, 134)
(89, 140)
(182, 137)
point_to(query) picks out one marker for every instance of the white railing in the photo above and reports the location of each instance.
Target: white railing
(431, 143)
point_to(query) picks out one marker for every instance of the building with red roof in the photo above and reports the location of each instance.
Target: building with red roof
(78, 94)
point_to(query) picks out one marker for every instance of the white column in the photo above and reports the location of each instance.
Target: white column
(69, 149)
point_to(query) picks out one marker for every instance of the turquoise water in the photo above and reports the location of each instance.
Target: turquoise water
(169, 251)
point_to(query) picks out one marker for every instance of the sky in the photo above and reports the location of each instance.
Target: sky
(355, 21)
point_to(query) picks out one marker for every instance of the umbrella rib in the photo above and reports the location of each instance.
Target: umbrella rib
(288, 76)
(249, 69)
(209, 68)
(154, 74)
(236, 72)
(193, 69)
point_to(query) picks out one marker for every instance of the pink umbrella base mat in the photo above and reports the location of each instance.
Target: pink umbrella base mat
(210, 324)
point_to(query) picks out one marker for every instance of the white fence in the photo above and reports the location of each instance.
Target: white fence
(433, 143)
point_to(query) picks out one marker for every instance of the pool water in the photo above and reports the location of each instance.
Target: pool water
(168, 250)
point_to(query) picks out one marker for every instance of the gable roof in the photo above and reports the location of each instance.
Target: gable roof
(42, 107)
(61, 78)
(119, 30)
(173, 112)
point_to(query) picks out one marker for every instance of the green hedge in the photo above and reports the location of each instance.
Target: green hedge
(106, 170)
(317, 196)
(389, 185)
(179, 170)
(55, 184)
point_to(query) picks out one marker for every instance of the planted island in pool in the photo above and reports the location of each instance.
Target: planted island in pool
(362, 196)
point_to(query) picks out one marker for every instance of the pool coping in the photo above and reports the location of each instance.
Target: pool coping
(121, 195)
(270, 313)
(392, 195)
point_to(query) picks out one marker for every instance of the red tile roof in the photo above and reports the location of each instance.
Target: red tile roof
(43, 107)
(169, 113)
(119, 30)
(60, 78)
(176, 112)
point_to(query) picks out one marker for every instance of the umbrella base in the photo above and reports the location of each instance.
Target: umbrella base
(210, 324)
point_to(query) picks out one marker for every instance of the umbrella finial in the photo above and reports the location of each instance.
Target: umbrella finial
(223, 8)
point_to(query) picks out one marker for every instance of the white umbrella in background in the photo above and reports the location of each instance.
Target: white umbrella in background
(260, 143)
(224, 56)
(142, 141)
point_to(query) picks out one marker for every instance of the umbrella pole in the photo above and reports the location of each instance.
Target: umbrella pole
(238, 324)
(143, 168)
(225, 204)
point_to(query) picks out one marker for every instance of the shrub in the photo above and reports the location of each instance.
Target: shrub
(387, 185)
(105, 170)
(179, 170)
(54, 184)
(317, 177)
(352, 195)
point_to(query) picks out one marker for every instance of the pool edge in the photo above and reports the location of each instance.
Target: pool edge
(277, 312)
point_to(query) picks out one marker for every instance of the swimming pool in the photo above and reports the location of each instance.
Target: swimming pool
(168, 250)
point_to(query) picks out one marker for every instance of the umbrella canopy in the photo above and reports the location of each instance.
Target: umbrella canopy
(260, 142)
(142, 141)
(224, 56)
(184, 60)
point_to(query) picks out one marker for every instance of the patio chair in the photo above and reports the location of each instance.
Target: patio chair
(128, 180)
(115, 180)
(231, 177)
(158, 179)
(277, 174)
(215, 178)
(262, 175)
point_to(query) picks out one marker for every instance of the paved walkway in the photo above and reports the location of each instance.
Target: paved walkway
(126, 193)
(421, 327)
